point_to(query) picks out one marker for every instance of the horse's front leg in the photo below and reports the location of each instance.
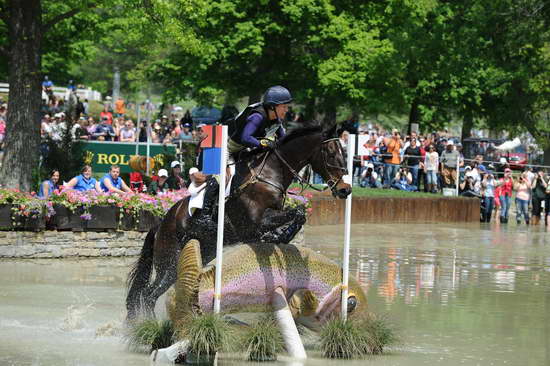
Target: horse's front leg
(280, 227)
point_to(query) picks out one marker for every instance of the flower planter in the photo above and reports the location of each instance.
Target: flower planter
(127, 222)
(65, 219)
(5, 217)
(103, 217)
(34, 223)
(146, 221)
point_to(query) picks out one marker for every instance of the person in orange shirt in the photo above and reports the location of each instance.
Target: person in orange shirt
(392, 164)
(120, 110)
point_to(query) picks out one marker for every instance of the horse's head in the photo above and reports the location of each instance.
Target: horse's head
(330, 164)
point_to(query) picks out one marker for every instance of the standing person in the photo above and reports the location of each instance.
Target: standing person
(431, 164)
(112, 182)
(84, 181)
(523, 194)
(413, 156)
(489, 184)
(106, 113)
(120, 109)
(49, 185)
(506, 185)
(392, 164)
(159, 185)
(449, 161)
(175, 180)
(539, 187)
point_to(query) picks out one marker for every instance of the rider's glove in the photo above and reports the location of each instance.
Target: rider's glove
(268, 144)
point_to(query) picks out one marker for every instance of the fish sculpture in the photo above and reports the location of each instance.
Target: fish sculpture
(250, 275)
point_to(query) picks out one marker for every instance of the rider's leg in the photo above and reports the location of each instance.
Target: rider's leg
(203, 217)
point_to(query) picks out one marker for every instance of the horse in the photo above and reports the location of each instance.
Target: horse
(265, 180)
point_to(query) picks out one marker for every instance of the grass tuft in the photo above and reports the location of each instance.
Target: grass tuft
(263, 340)
(150, 333)
(356, 337)
(207, 334)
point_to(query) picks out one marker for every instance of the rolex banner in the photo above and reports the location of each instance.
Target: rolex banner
(101, 155)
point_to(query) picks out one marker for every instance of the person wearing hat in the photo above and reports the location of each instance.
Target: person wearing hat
(196, 187)
(104, 131)
(175, 180)
(186, 134)
(259, 124)
(369, 178)
(506, 187)
(449, 161)
(159, 185)
(539, 186)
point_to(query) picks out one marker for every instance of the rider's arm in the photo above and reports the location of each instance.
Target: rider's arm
(252, 124)
(281, 132)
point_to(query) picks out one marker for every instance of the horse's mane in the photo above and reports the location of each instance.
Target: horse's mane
(294, 133)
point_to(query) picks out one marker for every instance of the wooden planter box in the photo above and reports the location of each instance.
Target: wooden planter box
(103, 217)
(146, 221)
(65, 219)
(5, 217)
(127, 222)
(34, 223)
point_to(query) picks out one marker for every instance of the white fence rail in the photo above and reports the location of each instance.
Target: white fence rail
(61, 92)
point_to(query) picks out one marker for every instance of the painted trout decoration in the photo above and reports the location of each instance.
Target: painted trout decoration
(252, 272)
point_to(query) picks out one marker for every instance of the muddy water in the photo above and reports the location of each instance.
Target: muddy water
(460, 295)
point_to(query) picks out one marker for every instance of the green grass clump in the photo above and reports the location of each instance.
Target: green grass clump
(151, 333)
(356, 337)
(207, 334)
(263, 340)
(377, 333)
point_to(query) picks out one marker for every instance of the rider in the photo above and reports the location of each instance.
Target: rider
(256, 126)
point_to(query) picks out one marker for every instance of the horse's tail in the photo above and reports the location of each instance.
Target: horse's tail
(138, 279)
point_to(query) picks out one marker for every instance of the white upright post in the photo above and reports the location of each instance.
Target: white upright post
(347, 231)
(221, 215)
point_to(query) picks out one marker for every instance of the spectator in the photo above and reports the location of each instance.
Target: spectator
(128, 133)
(489, 184)
(413, 156)
(2, 130)
(369, 178)
(104, 131)
(449, 162)
(143, 131)
(49, 185)
(120, 109)
(159, 185)
(391, 164)
(112, 182)
(186, 134)
(403, 180)
(92, 125)
(79, 131)
(175, 181)
(506, 185)
(84, 181)
(86, 106)
(539, 187)
(136, 182)
(523, 196)
(157, 135)
(431, 164)
(106, 115)
(468, 186)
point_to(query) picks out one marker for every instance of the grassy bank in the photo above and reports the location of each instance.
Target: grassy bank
(374, 192)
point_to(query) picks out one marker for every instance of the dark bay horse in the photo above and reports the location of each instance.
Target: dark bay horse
(262, 187)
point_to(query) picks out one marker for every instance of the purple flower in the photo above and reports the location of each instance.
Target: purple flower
(86, 216)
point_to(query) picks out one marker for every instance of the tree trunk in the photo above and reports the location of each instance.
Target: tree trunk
(414, 116)
(21, 145)
(467, 125)
(546, 161)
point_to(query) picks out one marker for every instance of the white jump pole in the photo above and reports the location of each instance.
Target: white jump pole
(347, 230)
(221, 215)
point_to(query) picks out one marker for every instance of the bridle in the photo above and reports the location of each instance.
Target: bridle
(332, 182)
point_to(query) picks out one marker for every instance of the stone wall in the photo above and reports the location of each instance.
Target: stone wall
(64, 244)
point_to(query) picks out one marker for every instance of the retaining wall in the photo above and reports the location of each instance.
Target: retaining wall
(330, 211)
(63, 244)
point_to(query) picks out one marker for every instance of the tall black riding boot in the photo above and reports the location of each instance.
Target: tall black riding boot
(205, 220)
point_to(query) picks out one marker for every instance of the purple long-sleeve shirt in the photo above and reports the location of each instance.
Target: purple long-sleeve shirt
(253, 123)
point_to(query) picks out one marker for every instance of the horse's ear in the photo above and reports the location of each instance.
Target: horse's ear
(330, 133)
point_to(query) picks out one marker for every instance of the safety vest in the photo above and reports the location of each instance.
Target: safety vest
(237, 125)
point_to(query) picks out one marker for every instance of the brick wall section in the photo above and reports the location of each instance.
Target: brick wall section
(64, 244)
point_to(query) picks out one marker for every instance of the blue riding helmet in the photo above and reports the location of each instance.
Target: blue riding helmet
(276, 95)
